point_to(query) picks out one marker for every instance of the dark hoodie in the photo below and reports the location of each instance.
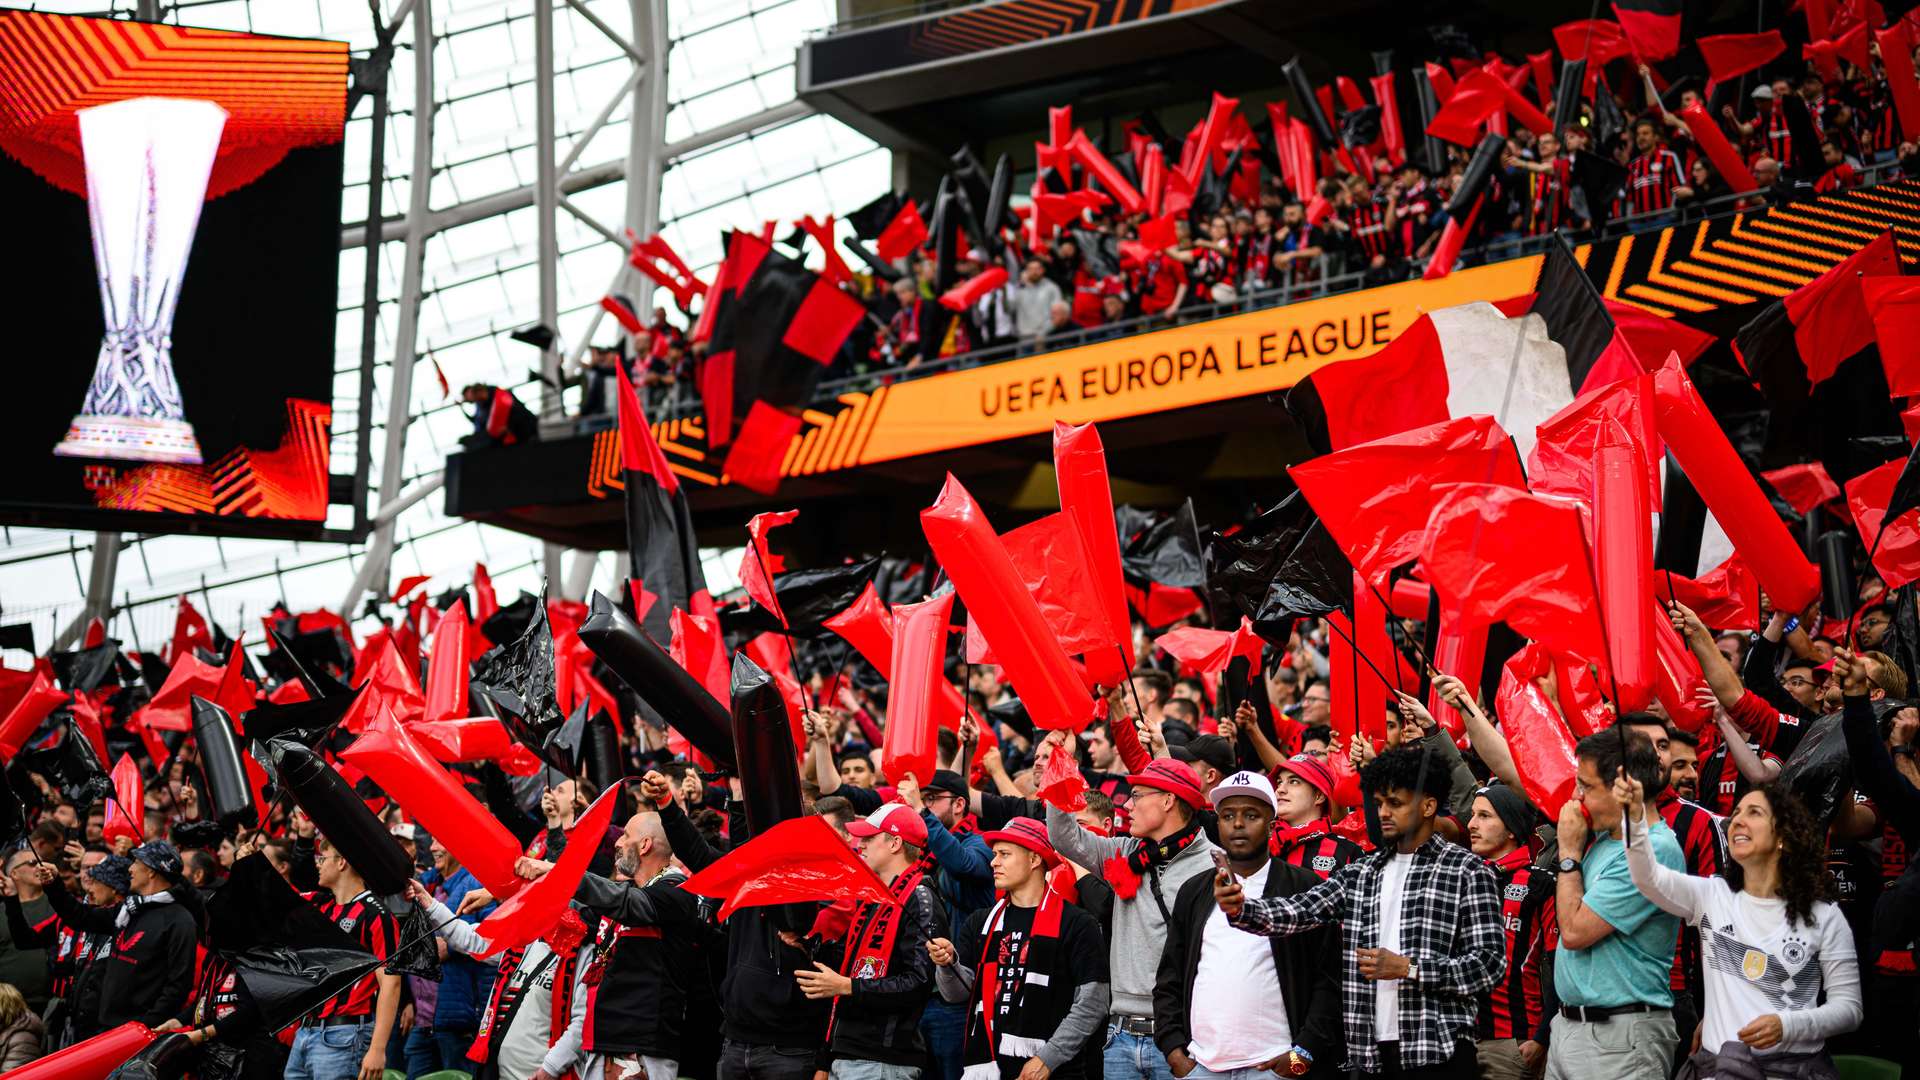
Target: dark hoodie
(148, 971)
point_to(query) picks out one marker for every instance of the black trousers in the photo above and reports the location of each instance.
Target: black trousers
(1463, 1065)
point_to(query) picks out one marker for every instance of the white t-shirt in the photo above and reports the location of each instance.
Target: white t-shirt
(524, 1047)
(1755, 963)
(1238, 1016)
(1386, 993)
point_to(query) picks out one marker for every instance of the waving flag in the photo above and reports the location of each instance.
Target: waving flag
(662, 551)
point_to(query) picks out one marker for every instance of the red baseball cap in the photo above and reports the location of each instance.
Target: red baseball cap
(1027, 833)
(1314, 772)
(897, 818)
(1166, 774)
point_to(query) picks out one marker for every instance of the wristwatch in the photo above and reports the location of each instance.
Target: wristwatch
(1299, 1062)
(1569, 865)
(1413, 972)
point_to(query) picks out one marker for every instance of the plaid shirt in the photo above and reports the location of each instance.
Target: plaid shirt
(1449, 927)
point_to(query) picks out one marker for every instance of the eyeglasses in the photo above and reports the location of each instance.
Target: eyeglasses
(1796, 681)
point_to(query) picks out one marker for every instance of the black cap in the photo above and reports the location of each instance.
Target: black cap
(945, 780)
(1212, 750)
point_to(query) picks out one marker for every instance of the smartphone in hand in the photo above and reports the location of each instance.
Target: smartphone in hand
(1220, 866)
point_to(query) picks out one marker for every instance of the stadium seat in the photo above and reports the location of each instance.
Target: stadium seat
(1860, 1067)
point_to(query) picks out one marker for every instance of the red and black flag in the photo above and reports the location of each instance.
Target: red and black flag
(1579, 321)
(1652, 26)
(774, 327)
(665, 559)
(1813, 355)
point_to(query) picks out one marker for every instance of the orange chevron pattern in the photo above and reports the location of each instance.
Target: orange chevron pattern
(1015, 22)
(279, 93)
(289, 482)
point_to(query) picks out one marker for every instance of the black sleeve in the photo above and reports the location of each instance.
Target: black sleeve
(909, 977)
(966, 941)
(1757, 672)
(864, 800)
(662, 903)
(84, 918)
(302, 872)
(997, 809)
(1324, 1033)
(688, 845)
(1873, 769)
(1170, 982)
(174, 955)
(22, 933)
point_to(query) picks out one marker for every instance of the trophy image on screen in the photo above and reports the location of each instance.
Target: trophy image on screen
(147, 164)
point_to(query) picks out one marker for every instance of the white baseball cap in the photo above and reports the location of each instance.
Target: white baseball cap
(1244, 783)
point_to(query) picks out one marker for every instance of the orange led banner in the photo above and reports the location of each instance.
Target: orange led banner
(1241, 355)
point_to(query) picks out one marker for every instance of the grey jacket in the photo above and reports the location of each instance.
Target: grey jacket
(1139, 930)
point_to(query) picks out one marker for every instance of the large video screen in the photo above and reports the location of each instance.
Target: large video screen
(172, 198)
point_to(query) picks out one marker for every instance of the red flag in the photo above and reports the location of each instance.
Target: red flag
(1541, 744)
(1829, 313)
(171, 709)
(1652, 26)
(1893, 303)
(1850, 46)
(1054, 564)
(537, 908)
(1597, 41)
(447, 667)
(1496, 553)
(1476, 98)
(902, 235)
(126, 808)
(1401, 387)
(758, 566)
(408, 584)
(696, 645)
(1562, 459)
(1897, 558)
(1210, 651)
(236, 693)
(1896, 55)
(835, 269)
(796, 861)
(1375, 498)
(1730, 56)
(1651, 337)
(189, 633)
(23, 719)
(1727, 596)
(1803, 486)
(1061, 785)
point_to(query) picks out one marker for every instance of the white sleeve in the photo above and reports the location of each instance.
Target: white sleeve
(565, 1050)
(1670, 890)
(1840, 973)
(459, 935)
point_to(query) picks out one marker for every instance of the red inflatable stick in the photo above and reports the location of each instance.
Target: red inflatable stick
(128, 804)
(1581, 701)
(1460, 650)
(1409, 599)
(968, 549)
(395, 760)
(868, 627)
(41, 698)
(1102, 170)
(913, 698)
(1086, 498)
(1722, 479)
(538, 907)
(94, 1059)
(1153, 177)
(1541, 744)
(1676, 675)
(1713, 142)
(1212, 130)
(1896, 54)
(447, 667)
(1623, 562)
(963, 296)
(477, 739)
(1210, 651)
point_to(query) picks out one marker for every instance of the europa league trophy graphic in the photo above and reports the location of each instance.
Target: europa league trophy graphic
(147, 164)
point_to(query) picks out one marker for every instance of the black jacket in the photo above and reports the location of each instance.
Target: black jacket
(149, 970)
(1308, 964)
(759, 999)
(880, 1020)
(640, 1003)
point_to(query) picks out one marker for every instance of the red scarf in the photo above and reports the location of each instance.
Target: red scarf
(1123, 872)
(564, 939)
(1046, 924)
(1285, 836)
(870, 944)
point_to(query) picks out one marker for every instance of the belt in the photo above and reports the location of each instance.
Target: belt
(1134, 1025)
(334, 1021)
(1600, 1014)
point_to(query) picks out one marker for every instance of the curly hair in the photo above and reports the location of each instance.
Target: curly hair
(1803, 854)
(1400, 770)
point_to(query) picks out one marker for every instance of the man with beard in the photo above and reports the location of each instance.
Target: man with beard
(1421, 917)
(1033, 968)
(1214, 1006)
(1683, 763)
(883, 976)
(636, 996)
(1516, 1013)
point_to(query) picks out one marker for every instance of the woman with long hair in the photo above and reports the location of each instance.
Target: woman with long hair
(1781, 976)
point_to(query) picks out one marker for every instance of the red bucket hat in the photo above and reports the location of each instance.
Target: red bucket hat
(1029, 834)
(1166, 774)
(1314, 772)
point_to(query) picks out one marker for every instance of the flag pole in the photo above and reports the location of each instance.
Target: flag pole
(793, 655)
(1348, 638)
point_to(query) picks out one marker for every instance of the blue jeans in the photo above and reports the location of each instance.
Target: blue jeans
(1133, 1057)
(945, 1029)
(329, 1053)
(1201, 1072)
(430, 1050)
(744, 1061)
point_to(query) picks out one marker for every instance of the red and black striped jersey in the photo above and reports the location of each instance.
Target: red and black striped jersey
(1699, 835)
(368, 921)
(1771, 733)
(1367, 224)
(1516, 1007)
(1550, 198)
(1778, 135)
(1313, 846)
(1651, 178)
